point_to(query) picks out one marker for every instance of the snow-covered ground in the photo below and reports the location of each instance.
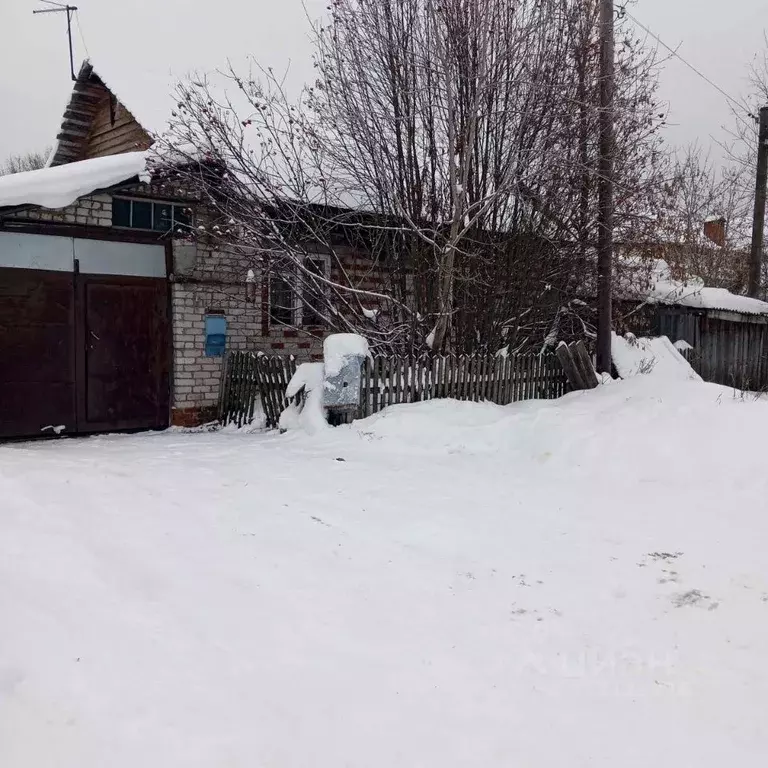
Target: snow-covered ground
(573, 583)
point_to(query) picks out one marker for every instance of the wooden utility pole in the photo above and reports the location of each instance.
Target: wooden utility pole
(758, 217)
(605, 188)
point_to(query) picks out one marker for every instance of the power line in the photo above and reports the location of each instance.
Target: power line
(739, 106)
(82, 37)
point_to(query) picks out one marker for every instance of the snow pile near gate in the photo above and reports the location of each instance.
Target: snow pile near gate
(657, 356)
(578, 582)
(61, 185)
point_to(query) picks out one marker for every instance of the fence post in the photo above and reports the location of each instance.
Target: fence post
(224, 388)
(583, 360)
(565, 356)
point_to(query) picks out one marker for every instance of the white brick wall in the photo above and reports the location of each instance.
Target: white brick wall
(94, 211)
(216, 282)
(198, 377)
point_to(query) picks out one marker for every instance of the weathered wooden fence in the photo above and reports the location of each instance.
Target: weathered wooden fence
(577, 365)
(502, 380)
(727, 348)
(731, 365)
(249, 377)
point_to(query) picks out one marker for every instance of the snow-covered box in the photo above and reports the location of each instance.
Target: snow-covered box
(344, 354)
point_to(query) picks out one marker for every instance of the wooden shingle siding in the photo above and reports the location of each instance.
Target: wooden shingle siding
(95, 124)
(108, 138)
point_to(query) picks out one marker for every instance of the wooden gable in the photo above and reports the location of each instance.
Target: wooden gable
(96, 124)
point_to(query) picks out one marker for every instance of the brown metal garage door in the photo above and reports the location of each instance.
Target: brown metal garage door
(84, 335)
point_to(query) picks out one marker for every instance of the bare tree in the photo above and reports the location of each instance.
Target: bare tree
(741, 142)
(706, 225)
(31, 161)
(727, 193)
(452, 142)
(641, 158)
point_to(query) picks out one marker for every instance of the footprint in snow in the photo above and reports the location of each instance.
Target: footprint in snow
(667, 556)
(694, 597)
(672, 577)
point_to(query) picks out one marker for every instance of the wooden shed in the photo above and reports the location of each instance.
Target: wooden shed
(726, 347)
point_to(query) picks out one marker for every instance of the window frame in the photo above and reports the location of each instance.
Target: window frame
(326, 274)
(152, 202)
(297, 310)
(274, 322)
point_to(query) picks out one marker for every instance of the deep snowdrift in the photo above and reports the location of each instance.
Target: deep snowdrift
(573, 583)
(657, 357)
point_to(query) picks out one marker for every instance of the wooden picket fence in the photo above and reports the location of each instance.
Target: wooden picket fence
(392, 380)
(248, 377)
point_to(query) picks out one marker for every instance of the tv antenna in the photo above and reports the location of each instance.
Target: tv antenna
(69, 10)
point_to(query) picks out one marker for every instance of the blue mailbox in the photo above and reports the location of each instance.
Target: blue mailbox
(215, 335)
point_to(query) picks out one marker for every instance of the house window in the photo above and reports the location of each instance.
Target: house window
(149, 215)
(312, 303)
(281, 304)
(295, 305)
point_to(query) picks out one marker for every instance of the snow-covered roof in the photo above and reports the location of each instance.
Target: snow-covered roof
(660, 287)
(717, 298)
(61, 185)
(693, 293)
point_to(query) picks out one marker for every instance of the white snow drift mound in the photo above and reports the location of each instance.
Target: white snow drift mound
(581, 582)
(657, 357)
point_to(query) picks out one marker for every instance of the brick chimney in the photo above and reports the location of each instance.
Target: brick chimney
(714, 230)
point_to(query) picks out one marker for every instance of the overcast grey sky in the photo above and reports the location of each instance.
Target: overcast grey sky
(140, 42)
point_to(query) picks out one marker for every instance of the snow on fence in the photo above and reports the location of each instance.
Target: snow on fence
(391, 380)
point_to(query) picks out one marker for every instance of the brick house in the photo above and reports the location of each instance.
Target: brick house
(99, 280)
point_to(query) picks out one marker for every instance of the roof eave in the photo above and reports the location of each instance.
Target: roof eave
(10, 210)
